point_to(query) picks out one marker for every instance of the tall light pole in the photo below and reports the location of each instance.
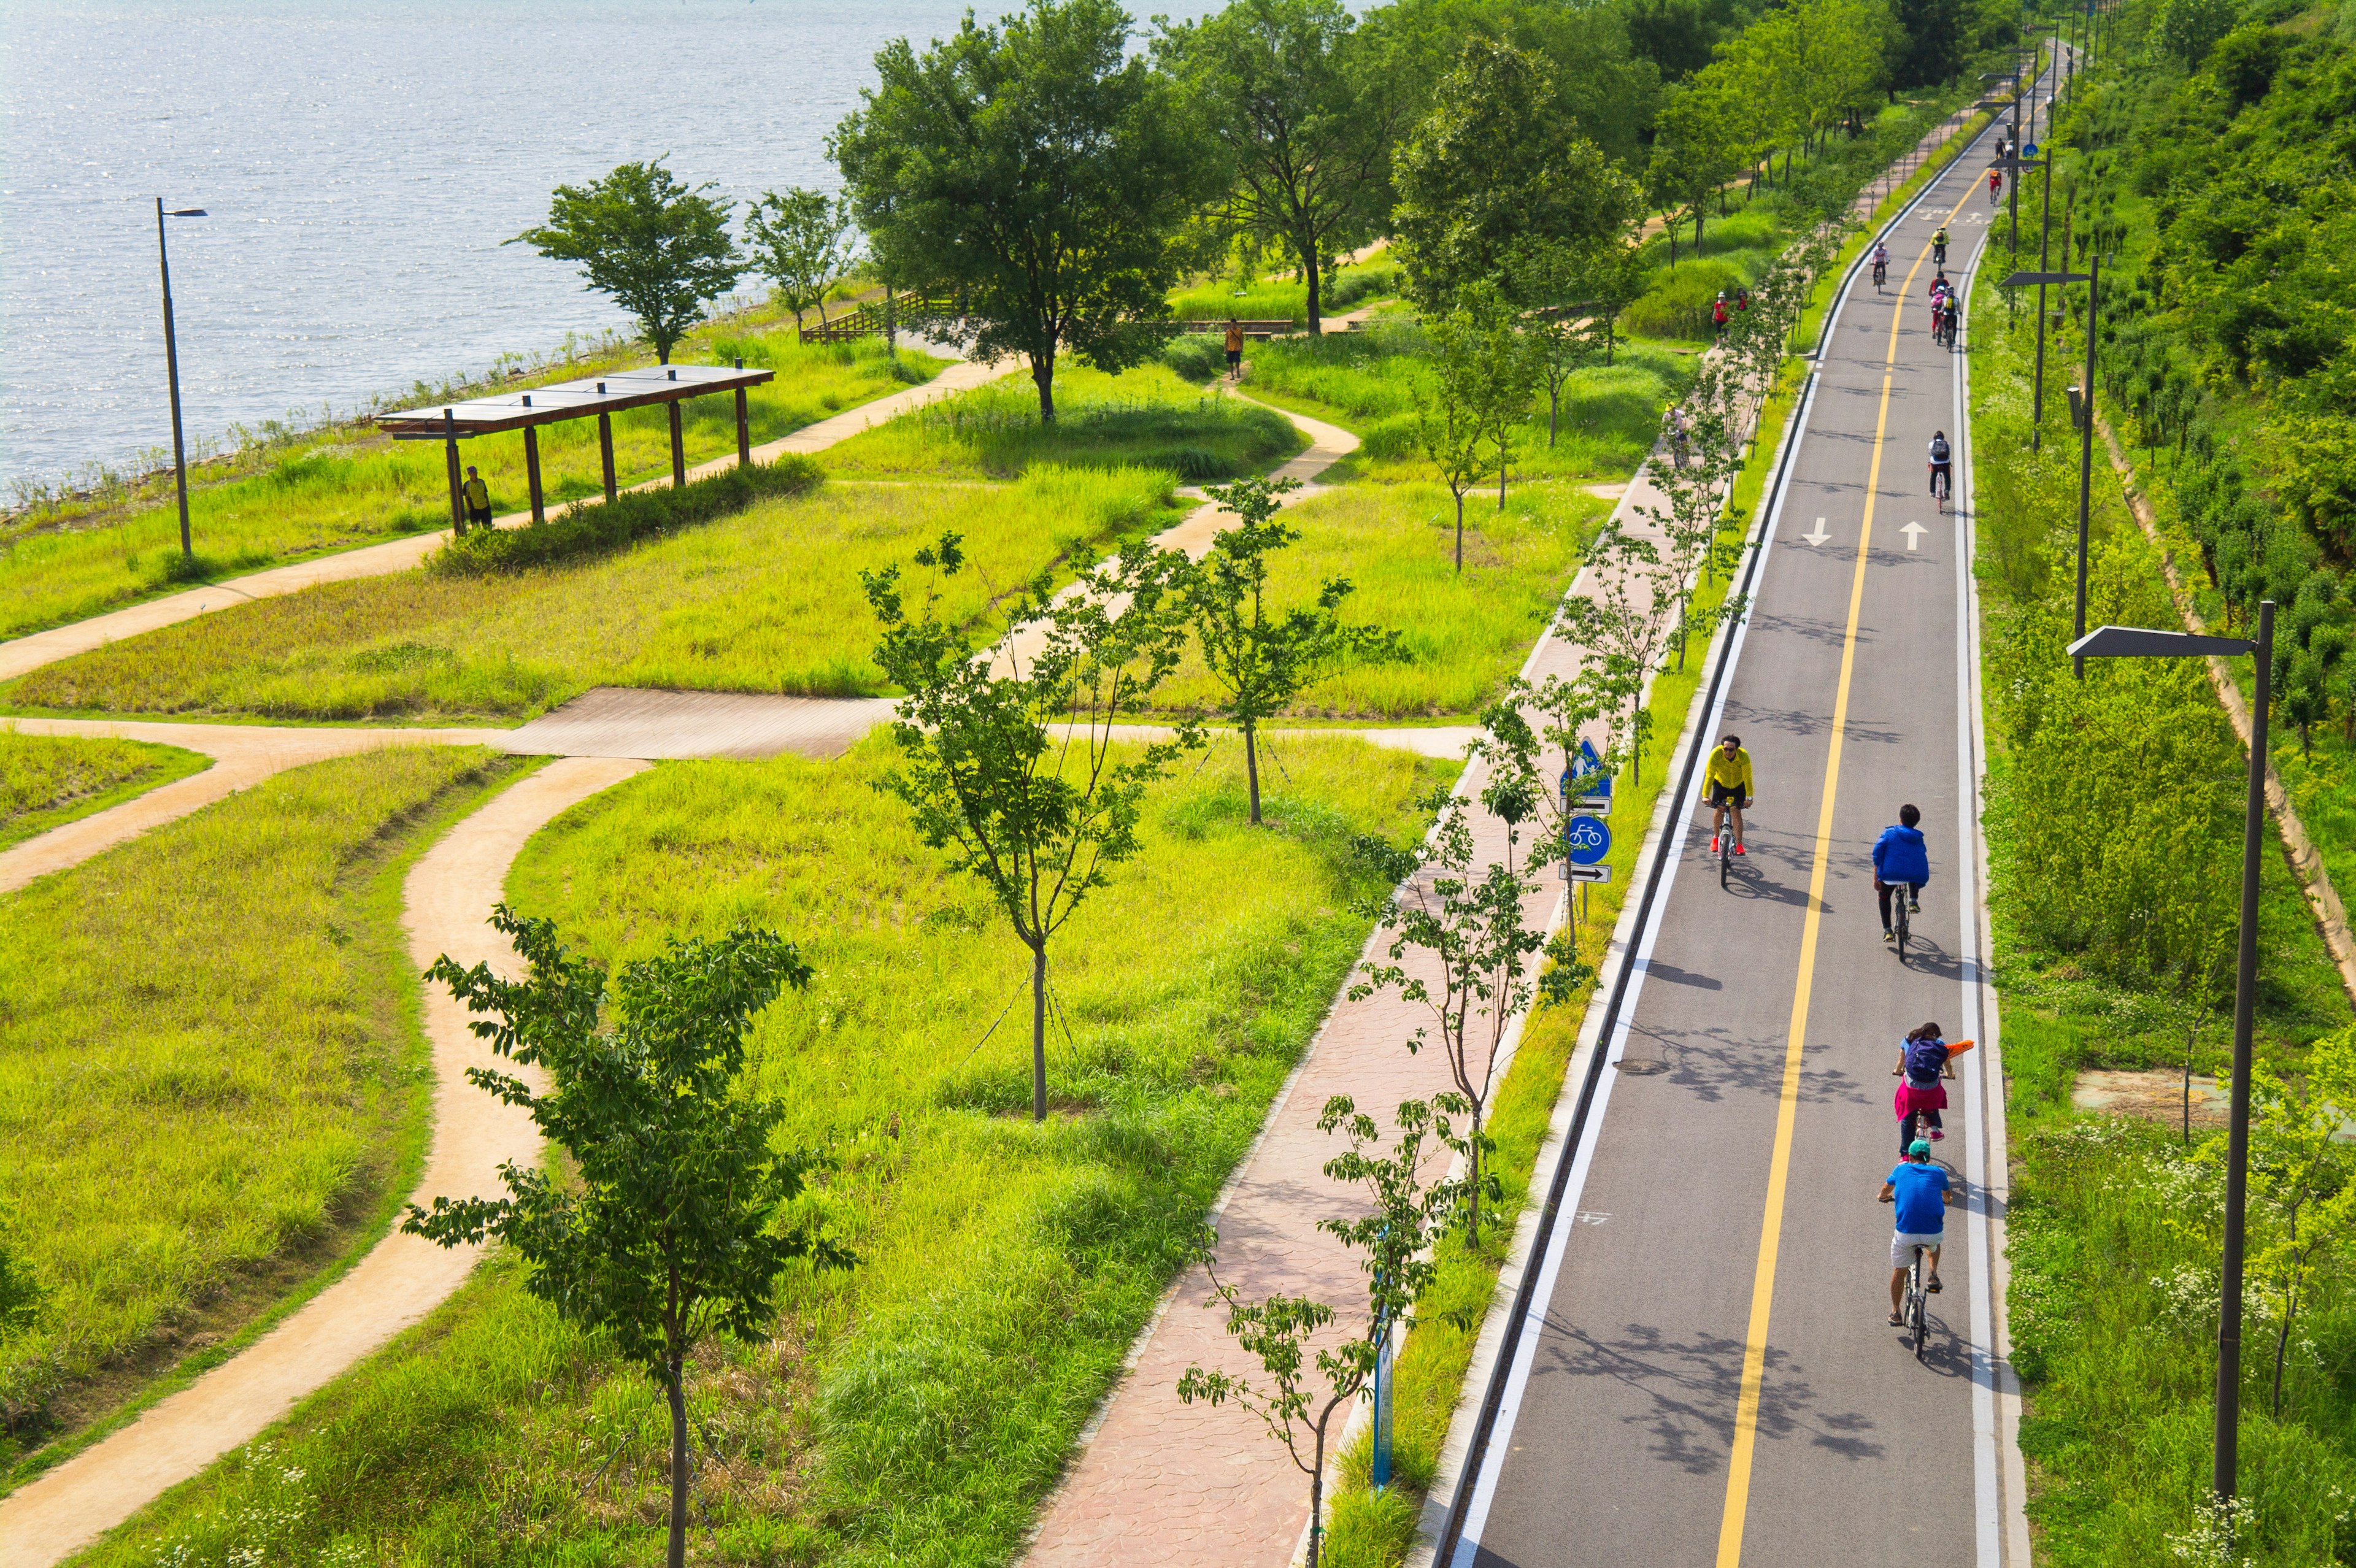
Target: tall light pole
(172, 368)
(2134, 642)
(2082, 410)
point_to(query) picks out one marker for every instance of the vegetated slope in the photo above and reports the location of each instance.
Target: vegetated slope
(2114, 908)
(46, 781)
(768, 600)
(916, 1407)
(209, 1068)
(1145, 418)
(1461, 634)
(308, 496)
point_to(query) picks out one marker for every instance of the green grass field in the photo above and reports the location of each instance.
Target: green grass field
(1365, 382)
(209, 1068)
(1463, 634)
(1276, 299)
(768, 600)
(1145, 418)
(47, 781)
(917, 1409)
(352, 487)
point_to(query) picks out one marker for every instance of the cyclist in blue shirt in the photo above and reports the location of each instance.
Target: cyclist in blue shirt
(1921, 1191)
(1900, 860)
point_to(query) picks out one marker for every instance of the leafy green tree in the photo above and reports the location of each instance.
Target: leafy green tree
(661, 248)
(1935, 38)
(1604, 86)
(1395, 1238)
(1041, 174)
(1697, 147)
(800, 241)
(1495, 173)
(1475, 387)
(1465, 914)
(1626, 624)
(1262, 659)
(678, 1222)
(1304, 117)
(1038, 818)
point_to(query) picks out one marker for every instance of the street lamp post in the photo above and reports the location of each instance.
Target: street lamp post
(172, 368)
(2082, 410)
(2133, 642)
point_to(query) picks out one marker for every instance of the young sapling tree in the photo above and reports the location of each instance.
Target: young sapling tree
(659, 247)
(1261, 659)
(2302, 1184)
(1478, 385)
(1039, 817)
(675, 1226)
(1626, 624)
(799, 239)
(1395, 1239)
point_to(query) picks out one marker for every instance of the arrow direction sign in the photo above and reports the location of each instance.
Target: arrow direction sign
(1819, 536)
(1913, 532)
(1590, 873)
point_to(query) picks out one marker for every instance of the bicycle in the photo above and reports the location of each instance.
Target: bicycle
(1880, 275)
(1898, 894)
(1918, 1300)
(1942, 482)
(1725, 860)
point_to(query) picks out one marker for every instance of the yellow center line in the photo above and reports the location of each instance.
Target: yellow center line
(1787, 1108)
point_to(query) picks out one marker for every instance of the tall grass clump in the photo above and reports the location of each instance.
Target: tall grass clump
(919, 1407)
(1145, 418)
(584, 529)
(46, 781)
(765, 600)
(209, 1062)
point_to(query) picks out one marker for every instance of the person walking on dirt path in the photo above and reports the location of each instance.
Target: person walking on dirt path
(1234, 349)
(1718, 316)
(1741, 300)
(477, 496)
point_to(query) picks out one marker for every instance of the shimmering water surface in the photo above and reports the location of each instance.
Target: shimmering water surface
(361, 164)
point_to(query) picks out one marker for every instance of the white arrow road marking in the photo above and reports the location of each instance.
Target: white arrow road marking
(1913, 532)
(1819, 536)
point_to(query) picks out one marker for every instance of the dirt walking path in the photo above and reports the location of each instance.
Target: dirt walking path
(21, 655)
(447, 900)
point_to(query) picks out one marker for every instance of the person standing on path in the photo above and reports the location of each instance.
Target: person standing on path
(1234, 349)
(1921, 1191)
(478, 499)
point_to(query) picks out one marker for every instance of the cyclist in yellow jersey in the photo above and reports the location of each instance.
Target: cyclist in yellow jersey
(1727, 779)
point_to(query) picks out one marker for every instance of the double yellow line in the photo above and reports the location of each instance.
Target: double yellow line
(1788, 1109)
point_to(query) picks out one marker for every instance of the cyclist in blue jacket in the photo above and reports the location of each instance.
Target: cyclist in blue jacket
(1900, 860)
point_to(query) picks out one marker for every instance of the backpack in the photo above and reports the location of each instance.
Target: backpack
(1924, 1060)
(1939, 451)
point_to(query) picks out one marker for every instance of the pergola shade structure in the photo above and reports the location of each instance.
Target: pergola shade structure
(603, 395)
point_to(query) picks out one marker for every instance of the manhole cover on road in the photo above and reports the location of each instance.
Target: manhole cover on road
(1641, 1068)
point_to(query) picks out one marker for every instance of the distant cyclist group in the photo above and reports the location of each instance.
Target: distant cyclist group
(1920, 1189)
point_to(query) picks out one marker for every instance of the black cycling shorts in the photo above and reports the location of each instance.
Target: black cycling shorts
(1725, 794)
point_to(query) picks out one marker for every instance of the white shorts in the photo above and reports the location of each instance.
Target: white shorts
(1902, 1246)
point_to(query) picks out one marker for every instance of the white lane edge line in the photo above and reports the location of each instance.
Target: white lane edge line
(1476, 1517)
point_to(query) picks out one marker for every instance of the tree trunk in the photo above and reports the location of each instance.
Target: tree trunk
(1500, 467)
(1317, 1494)
(678, 1392)
(1316, 276)
(1554, 408)
(2282, 1344)
(1039, 1031)
(1251, 766)
(1042, 376)
(1460, 533)
(1701, 211)
(1472, 1215)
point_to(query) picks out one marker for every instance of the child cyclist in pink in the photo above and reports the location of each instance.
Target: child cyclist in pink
(1924, 1065)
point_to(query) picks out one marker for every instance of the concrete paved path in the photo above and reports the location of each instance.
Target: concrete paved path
(447, 901)
(21, 655)
(1705, 1375)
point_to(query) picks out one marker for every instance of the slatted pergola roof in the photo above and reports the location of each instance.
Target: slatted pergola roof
(603, 395)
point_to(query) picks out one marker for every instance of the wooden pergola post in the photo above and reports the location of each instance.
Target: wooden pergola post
(743, 425)
(678, 446)
(531, 473)
(450, 458)
(606, 448)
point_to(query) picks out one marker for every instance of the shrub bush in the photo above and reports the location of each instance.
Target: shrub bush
(1679, 307)
(1197, 356)
(583, 529)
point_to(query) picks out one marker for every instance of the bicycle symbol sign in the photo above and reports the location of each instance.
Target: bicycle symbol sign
(1586, 839)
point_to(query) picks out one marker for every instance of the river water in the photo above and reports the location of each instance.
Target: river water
(360, 164)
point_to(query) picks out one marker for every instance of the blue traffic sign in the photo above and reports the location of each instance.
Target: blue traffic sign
(1586, 777)
(1585, 840)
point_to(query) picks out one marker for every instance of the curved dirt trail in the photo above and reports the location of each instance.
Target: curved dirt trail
(447, 898)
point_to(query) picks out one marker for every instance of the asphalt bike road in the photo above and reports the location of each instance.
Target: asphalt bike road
(1709, 1374)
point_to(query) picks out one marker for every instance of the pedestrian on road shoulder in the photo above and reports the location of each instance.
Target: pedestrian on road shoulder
(477, 496)
(1921, 1191)
(1234, 349)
